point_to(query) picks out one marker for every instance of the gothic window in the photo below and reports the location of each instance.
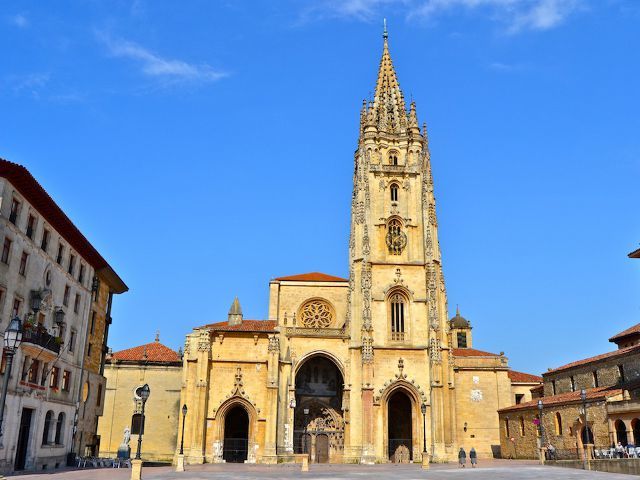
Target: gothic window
(394, 192)
(393, 158)
(462, 339)
(316, 314)
(396, 239)
(398, 307)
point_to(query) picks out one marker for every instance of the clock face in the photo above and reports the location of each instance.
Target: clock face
(396, 241)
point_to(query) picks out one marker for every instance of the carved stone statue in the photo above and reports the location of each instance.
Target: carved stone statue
(127, 436)
(124, 450)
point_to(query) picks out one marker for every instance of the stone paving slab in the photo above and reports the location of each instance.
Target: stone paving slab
(494, 470)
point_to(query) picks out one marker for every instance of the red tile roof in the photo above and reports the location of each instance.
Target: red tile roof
(312, 277)
(592, 394)
(471, 352)
(245, 326)
(635, 330)
(616, 353)
(521, 377)
(37, 196)
(635, 254)
(154, 352)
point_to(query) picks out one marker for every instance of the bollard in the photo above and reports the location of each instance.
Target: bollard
(180, 463)
(305, 464)
(136, 469)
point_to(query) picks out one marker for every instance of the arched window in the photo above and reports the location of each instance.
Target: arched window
(394, 192)
(60, 428)
(396, 239)
(48, 420)
(558, 424)
(393, 158)
(398, 313)
(522, 426)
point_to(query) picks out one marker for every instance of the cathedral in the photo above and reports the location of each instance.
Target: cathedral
(364, 369)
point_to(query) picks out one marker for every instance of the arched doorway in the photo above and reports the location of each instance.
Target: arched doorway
(621, 432)
(318, 422)
(586, 436)
(399, 428)
(236, 435)
(635, 426)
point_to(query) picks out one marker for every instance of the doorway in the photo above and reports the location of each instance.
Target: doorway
(322, 448)
(236, 435)
(24, 432)
(399, 432)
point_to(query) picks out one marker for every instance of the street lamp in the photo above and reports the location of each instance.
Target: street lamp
(12, 340)
(184, 415)
(35, 300)
(583, 397)
(425, 456)
(541, 427)
(144, 393)
(306, 421)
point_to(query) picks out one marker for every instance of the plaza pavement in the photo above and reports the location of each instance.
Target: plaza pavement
(490, 470)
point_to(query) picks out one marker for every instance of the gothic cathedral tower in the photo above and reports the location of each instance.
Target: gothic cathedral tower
(397, 299)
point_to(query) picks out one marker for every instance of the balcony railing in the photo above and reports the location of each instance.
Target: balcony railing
(41, 338)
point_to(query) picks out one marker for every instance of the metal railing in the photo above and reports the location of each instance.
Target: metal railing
(42, 338)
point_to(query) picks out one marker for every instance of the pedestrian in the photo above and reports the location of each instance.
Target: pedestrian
(473, 456)
(551, 451)
(462, 457)
(619, 450)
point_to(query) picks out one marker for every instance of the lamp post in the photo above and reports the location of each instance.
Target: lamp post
(541, 430)
(12, 340)
(585, 450)
(136, 465)
(180, 460)
(184, 415)
(425, 455)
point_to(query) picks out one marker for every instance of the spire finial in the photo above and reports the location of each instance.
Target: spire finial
(157, 335)
(385, 34)
(457, 310)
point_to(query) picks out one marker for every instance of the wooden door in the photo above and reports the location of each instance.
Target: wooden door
(322, 448)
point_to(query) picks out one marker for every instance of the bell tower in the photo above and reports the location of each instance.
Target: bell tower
(397, 296)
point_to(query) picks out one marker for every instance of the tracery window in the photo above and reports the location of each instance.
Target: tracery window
(398, 312)
(393, 158)
(394, 192)
(316, 314)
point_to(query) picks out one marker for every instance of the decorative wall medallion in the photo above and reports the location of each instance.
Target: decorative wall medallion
(476, 395)
(476, 379)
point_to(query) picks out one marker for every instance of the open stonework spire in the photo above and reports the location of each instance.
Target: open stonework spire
(235, 313)
(388, 111)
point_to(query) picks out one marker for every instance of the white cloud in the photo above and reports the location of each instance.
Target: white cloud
(517, 15)
(19, 20)
(154, 65)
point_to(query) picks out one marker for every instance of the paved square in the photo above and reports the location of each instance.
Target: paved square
(494, 470)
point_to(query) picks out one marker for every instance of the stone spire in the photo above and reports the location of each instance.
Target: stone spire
(389, 109)
(235, 313)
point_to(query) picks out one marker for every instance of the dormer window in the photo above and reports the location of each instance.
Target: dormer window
(394, 192)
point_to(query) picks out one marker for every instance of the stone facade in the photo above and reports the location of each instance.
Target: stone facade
(125, 371)
(47, 279)
(344, 368)
(611, 385)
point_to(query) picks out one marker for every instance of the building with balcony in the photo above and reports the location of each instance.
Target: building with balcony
(53, 279)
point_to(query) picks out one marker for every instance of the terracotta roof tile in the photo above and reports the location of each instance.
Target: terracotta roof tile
(521, 377)
(312, 277)
(578, 363)
(37, 196)
(245, 326)
(472, 352)
(635, 254)
(635, 330)
(592, 394)
(151, 352)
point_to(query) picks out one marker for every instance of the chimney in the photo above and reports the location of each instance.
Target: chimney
(235, 313)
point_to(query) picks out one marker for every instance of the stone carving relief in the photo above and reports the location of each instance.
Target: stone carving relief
(204, 341)
(274, 343)
(435, 353)
(476, 395)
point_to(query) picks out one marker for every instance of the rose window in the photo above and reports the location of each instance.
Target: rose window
(316, 314)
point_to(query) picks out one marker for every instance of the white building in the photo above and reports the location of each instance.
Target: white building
(46, 263)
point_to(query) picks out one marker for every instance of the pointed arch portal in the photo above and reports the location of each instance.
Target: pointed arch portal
(236, 435)
(318, 422)
(399, 428)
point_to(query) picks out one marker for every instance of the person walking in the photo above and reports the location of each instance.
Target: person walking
(462, 457)
(473, 456)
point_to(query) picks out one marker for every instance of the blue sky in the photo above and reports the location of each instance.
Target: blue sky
(206, 147)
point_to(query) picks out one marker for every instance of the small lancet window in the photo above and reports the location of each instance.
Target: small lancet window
(397, 317)
(393, 158)
(394, 192)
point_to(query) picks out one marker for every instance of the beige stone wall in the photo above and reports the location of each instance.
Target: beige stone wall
(162, 409)
(521, 389)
